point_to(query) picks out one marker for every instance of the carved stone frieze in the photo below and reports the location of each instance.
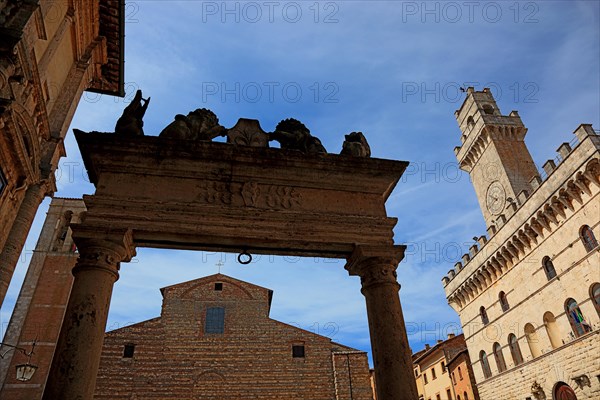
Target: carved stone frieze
(211, 192)
(282, 197)
(250, 194)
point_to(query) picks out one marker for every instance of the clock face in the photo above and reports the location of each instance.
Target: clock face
(496, 198)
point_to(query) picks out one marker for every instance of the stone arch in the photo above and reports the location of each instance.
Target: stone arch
(595, 296)
(532, 340)
(209, 384)
(470, 121)
(586, 234)
(219, 197)
(579, 324)
(488, 109)
(552, 330)
(27, 135)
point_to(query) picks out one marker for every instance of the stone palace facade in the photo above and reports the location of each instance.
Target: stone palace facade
(528, 293)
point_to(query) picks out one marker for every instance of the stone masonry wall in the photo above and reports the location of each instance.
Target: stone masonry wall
(561, 365)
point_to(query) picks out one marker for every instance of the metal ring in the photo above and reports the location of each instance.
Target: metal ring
(244, 253)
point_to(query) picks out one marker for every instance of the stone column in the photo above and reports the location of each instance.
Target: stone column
(77, 356)
(392, 356)
(18, 233)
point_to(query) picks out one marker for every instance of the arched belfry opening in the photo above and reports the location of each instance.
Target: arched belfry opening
(182, 190)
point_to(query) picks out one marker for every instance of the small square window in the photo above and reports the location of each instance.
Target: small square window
(218, 286)
(298, 351)
(128, 350)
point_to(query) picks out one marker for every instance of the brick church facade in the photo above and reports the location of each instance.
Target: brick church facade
(215, 340)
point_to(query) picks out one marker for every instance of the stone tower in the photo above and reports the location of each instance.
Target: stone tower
(40, 307)
(493, 153)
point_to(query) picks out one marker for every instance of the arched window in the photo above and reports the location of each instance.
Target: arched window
(548, 267)
(587, 237)
(460, 374)
(470, 121)
(503, 301)
(465, 396)
(500, 363)
(515, 350)
(595, 295)
(458, 397)
(532, 340)
(483, 315)
(552, 330)
(576, 318)
(485, 365)
(488, 109)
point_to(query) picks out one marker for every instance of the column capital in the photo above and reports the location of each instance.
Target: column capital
(103, 248)
(375, 264)
(48, 185)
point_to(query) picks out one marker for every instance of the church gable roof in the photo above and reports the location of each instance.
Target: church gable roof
(217, 286)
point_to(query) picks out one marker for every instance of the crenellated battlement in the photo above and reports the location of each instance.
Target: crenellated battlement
(560, 190)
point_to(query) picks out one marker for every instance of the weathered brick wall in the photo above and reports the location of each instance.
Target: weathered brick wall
(40, 307)
(351, 375)
(175, 359)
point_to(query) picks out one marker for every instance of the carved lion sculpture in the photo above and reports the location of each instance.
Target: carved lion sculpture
(130, 123)
(200, 124)
(356, 145)
(294, 135)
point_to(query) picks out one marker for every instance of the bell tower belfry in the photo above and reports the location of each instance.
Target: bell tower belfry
(493, 152)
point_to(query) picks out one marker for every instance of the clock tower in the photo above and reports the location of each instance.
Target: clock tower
(493, 153)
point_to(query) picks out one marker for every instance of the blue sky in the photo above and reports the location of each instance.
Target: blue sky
(390, 69)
